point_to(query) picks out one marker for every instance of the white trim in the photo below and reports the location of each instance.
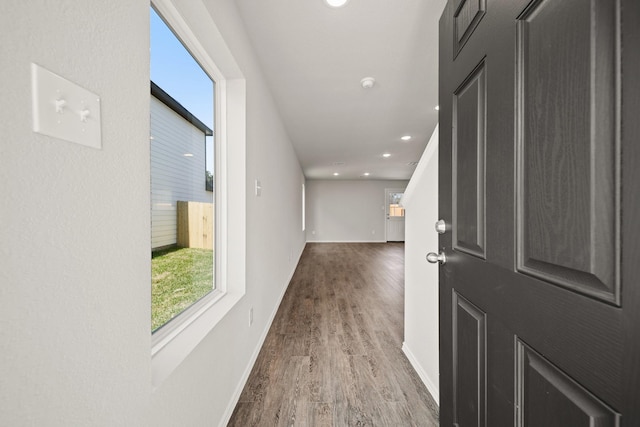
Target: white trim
(170, 14)
(432, 145)
(435, 392)
(173, 343)
(245, 375)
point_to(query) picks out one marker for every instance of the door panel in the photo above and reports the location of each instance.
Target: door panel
(468, 15)
(568, 216)
(548, 397)
(469, 163)
(539, 179)
(469, 337)
(395, 230)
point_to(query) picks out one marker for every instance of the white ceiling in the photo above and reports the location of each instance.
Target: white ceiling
(314, 57)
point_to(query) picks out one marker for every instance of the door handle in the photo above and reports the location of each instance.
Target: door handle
(435, 258)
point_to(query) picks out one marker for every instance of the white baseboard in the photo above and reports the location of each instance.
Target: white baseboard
(431, 387)
(346, 241)
(245, 376)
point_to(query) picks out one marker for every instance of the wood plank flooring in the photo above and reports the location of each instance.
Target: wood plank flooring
(333, 354)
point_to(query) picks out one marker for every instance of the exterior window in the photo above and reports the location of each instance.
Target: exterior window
(394, 205)
(182, 177)
(221, 270)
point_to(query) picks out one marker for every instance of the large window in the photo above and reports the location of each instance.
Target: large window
(182, 177)
(194, 26)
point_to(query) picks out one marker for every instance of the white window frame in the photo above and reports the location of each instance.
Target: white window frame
(172, 343)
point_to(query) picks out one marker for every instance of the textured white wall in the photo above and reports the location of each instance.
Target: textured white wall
(74, 221)
(75, 227)
(347, 211)
(421, 278)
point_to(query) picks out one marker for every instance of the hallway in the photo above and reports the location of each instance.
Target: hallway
(333, 354)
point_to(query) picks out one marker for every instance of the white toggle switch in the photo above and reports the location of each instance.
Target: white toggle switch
(64, 110)
(60, 103)
(258, 188)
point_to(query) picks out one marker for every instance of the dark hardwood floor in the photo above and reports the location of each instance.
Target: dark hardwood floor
(333, 354)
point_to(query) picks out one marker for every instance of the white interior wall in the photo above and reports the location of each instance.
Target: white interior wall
(421, 278)
(75, 223)
(347, 210)
(75, 234)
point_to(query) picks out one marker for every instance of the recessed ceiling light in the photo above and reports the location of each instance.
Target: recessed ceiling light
(188, 155)
(406, 137)
(437, 108)
(336, 3)
(386, 155)
(367, 82)
(366, 174)
(336, 174)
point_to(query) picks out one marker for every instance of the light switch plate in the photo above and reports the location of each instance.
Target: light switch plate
(64, 110)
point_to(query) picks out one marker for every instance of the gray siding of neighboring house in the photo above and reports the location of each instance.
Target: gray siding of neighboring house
(174, 176)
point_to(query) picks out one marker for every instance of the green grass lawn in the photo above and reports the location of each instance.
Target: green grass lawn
(180, 277)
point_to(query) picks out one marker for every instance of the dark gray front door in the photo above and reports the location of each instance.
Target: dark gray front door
(540, 189)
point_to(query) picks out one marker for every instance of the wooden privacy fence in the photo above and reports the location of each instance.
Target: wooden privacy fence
(195, 225)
